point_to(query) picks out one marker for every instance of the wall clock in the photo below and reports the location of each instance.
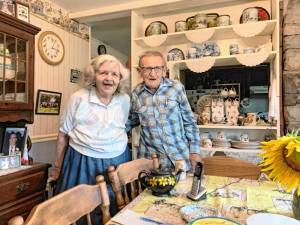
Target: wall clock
(51, 48)
(101, 50)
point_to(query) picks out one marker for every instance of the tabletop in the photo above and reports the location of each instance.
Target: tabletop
(233, 198)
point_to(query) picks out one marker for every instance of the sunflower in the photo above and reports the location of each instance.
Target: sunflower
(281, 158)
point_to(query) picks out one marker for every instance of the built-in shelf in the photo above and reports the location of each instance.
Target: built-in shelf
(221, 126)
(236, 31)
(236, 150)
(205, 63)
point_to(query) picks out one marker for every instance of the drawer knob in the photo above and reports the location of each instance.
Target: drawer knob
(22, 187)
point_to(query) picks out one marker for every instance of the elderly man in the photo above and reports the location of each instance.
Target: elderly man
(160, 106)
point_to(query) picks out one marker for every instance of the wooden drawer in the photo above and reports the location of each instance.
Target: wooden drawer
(22, 187)
(23, 208)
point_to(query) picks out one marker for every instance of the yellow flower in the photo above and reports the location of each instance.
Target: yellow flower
(153, 182)
(171, 181)
(163, 181)
(281, 158)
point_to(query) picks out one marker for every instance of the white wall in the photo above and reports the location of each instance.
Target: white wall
(54, 78)
(110, 50)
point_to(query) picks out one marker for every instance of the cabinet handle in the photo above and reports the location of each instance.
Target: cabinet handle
(22, 187)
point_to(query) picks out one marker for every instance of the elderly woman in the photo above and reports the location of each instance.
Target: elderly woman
(92, 132)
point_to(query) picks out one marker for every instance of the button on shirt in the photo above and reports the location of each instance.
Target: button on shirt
(95, 129)
(168, 126)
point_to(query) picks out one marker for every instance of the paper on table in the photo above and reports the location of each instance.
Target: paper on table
(129, 217)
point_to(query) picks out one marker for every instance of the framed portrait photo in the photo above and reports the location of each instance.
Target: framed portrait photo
(22, 11)
(8, 7)
(14, 140)
(48, 102)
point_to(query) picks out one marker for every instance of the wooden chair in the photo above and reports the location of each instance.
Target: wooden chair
(67, 207)
(126, 177)
(230, 167)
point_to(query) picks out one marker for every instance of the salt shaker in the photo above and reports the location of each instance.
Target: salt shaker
(180, 164)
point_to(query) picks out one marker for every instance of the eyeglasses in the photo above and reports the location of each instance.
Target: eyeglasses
(148, 70)
(104, 73)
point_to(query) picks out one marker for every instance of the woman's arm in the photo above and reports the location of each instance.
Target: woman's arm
(62, 143)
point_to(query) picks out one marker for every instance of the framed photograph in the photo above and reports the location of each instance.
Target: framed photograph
(75, 75)
(8, 162)
(48, 102)
(101, 50)
(8, 7)
(14, 140)
(22, 11)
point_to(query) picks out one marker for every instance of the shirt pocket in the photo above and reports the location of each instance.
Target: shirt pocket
(168, 107)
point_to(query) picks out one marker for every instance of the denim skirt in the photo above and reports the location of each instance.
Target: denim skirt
(81, 169)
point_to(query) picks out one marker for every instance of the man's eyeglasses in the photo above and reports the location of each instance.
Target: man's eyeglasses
(148, 70)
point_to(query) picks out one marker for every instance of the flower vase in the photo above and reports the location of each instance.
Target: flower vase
(296, 205)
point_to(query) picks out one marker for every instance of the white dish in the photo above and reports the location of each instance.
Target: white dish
(271, 219)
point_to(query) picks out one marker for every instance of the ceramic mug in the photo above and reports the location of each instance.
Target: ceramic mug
(224, 92)
(221, 135)
(232, 92)
(206, 143)
(251, 119)
(244, 138)
(180, 26)
(233, 49)
(192, 53)
(200, 21)
(223, 20)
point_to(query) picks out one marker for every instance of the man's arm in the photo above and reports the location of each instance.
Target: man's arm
(133, 118)
(190, 127)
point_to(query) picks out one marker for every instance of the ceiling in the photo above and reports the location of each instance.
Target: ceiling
(114, 32)
(80, 5)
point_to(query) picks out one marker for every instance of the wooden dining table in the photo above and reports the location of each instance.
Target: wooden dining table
(233, 198)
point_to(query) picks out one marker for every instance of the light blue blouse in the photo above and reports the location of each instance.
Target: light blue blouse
(95, 129)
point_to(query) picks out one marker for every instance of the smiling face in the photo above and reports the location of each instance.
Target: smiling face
(152, 69)
(107, 79)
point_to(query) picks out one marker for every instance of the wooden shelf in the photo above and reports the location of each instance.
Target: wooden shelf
(221, 126)
(237, 150)
(262, 28)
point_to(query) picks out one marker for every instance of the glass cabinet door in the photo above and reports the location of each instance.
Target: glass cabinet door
(13, 69)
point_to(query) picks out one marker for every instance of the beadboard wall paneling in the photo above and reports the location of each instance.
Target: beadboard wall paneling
(56, 78)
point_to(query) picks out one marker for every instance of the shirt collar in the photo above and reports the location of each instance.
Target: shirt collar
(165, 82)
(93, 98)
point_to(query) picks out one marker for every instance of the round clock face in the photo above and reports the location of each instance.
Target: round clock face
(51, 48)
(101, 50)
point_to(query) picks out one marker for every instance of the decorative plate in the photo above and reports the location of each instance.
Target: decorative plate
(213, 221)
(175, 54)
(156, 28)
(193, 211)
(263, 14)
(204, 101)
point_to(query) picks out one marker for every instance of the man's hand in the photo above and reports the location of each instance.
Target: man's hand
(54, 174)
(194, 158)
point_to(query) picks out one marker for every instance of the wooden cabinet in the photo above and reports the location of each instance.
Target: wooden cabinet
(16, 69)
(262, 33)
(21, 191)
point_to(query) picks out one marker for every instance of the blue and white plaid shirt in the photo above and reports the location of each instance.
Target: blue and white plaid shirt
(168, 126)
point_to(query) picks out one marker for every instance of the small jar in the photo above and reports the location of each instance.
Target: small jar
(200, 21)
(233, 49)
(190, 22)
(212, 19)
(223, 20)
(180, 26)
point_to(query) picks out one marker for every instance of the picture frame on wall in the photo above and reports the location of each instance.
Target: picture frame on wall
(22, 11)
(48, 102)
(14, 140)
(8, 7)
(75, 75)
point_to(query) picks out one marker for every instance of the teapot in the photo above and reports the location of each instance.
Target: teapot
(159, 182)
